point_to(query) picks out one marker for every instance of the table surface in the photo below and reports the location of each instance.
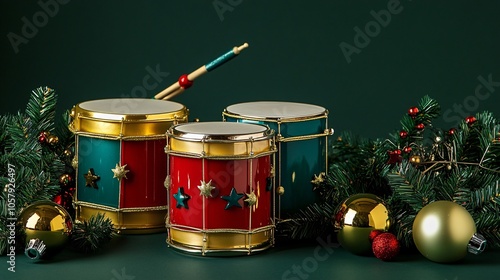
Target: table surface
(136, 257)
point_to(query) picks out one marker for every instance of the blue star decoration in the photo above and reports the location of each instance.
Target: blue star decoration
(232, 199)
(181, 198)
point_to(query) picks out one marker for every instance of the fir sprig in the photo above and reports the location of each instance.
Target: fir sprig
(91, 235)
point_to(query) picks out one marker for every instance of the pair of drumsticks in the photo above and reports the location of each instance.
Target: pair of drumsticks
(185, 81)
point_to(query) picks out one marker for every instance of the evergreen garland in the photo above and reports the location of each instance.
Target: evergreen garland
(39, 149)
(413, 167)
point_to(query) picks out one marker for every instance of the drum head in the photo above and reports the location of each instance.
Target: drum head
(220, 131)
(131, 106)
(275, 110)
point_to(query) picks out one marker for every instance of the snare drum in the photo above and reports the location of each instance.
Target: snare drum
(301, 137)
(220, 186)
(120, 160)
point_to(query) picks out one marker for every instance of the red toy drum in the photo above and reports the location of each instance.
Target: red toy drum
(120, 161)
(220, 187)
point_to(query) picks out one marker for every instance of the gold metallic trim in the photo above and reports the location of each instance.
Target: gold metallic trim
(220, 149)
(122, 125)
(220, 240)
(127, 220)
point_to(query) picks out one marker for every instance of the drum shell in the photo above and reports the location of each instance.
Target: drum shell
(203, 225)
(302, 153)
(136, 203)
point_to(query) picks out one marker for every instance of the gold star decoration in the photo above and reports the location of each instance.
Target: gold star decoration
(251, 199)
(318, 179)
(167, 182)
(91, 178)
(206, 188)
(120, 172)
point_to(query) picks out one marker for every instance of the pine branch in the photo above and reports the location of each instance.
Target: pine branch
(91, 235)
(311, 222)
(41, 111)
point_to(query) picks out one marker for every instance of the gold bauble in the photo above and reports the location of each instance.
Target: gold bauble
(356, 217)
(46, 226)
(444, 231)
(53, 139)
(415, 160)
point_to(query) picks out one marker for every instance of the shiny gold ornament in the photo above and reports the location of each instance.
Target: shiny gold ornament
(74, 162)
(356, 217)
(67, 153)
(47, 227)
(444, 231)
(52, 140)
(416, 160)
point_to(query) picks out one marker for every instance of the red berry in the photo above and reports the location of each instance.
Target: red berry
(403, 134)
(413, 111)
(470, 120)
(452, 131)
(407, 149)
(420, 126)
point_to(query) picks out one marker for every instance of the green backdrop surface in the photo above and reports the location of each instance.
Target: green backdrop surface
(365, 61)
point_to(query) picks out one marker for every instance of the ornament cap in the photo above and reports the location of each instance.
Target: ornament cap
(35, 249)
(477, 244)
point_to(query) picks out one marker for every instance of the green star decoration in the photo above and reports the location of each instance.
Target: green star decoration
(251, 199)
(232, 199)
(206, 188)
(181, 198)
(91, 178)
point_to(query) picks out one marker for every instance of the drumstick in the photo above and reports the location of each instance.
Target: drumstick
(186, 81)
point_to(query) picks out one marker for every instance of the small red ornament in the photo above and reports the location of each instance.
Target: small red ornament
(407, 149)
(452, 131)
(65, 180)
(65, 200)
(374, 233)
(470, 120)
(184, 82)
(403, 134)
(385, 246)
(420, 126)
(413, 111)
(42, 137)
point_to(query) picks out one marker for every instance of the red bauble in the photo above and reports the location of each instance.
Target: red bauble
(452, 131)
(374, 233)
(42, 137)
(420, 126)
(413, 111)
(394, 156)
(407, 149)
(385, 246)
(403, 134)
(470, 120)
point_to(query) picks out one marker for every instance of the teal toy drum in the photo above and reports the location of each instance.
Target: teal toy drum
(301, 137)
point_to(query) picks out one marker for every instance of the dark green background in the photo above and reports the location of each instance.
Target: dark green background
(101, 49)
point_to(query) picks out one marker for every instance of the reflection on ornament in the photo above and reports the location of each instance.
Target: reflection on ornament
(65, 179)
(120, 172)
(356, 218)
(232, 199)
(251, 199)
(91, 178)
(206, 188)
(47, 227)
(444, 231)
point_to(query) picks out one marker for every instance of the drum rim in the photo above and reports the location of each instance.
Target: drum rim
(265, 134)
(322, 114)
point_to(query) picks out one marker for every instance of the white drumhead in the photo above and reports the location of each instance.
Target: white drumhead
(275, 110)
(229, 130)
(131, 106)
